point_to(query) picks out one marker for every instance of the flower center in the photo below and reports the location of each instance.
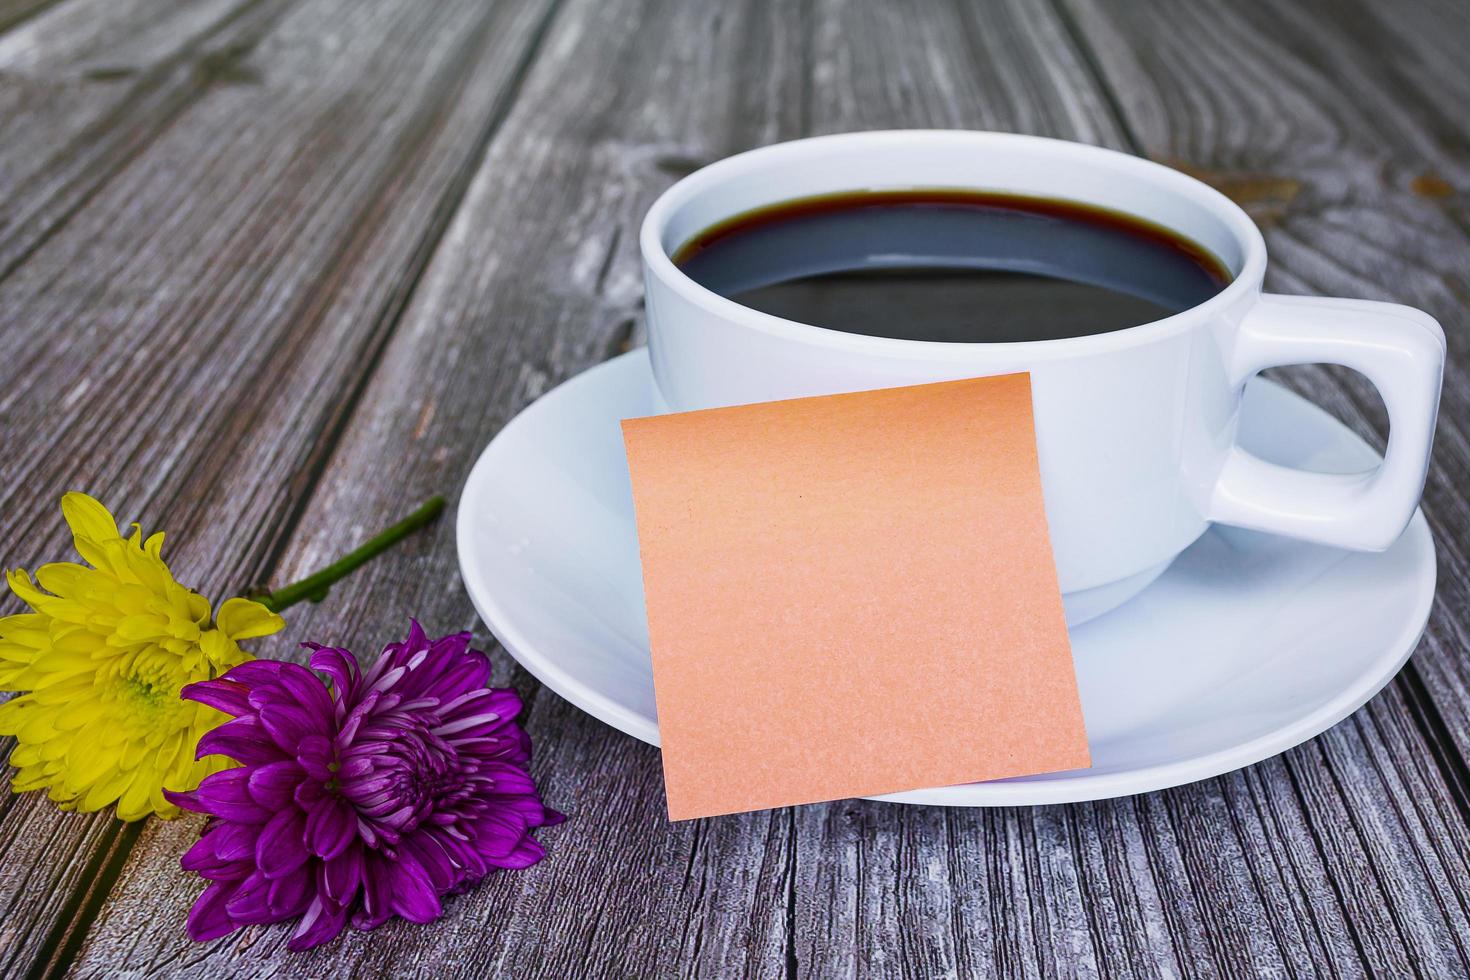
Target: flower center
(144, 686)
(412, 774)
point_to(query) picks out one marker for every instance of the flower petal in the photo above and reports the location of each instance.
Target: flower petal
(413, 892)
(322, 921)
(289, 723)
(426, 849)
(243, 739)
(273, 784)
(310, 693)
(338, 664)
(226, 794)
(377, 893)
(245, 619)
(342, 875)
(87, 517)
(203, 859)
(226, 695)
(208, 918)
(251, 901)
(253, 672)
(234, 841)
(291, 894)
(315, 755)
(280, 847)
(330, 827)
(526, 853)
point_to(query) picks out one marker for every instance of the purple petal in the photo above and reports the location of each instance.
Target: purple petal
(281, 847)
(242, 739)
(416, 639)
(208, 918)
(308, 794)
(497, 833)
(341, 666)
(316, 754)
(185, 799)
(413, 892)
(469, 725)
(342, 874)
(234, 841)
(330, 827)
(202, 859)
(377, 893)
(287, 724)
(430, 854)
(253, 672)
(354, 718)
(272, 785)
(526, 853)
(321, 922)
(290, 895)
(470, 862)
(250, 903)
(508, 778)
(224, 794)
(470, 672)
(226, 695)
(308, 691)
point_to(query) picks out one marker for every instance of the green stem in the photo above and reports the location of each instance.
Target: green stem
(314, 587)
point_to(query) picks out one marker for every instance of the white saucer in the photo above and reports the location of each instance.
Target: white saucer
(1246, 646)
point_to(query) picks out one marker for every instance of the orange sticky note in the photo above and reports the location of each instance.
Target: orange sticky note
(851, 595)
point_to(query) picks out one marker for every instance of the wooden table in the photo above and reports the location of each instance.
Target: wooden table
(272, 271)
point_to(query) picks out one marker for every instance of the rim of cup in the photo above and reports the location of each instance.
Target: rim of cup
(1246, 278)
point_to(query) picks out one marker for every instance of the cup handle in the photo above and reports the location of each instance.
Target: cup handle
(1401, 350)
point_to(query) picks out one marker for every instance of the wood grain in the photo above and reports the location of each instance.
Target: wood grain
(88, 83)
(159, 340)
(1343, 857)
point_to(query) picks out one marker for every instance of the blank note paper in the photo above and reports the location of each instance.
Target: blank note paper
(851, 595)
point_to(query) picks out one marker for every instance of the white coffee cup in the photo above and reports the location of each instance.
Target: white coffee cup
(1135, 429)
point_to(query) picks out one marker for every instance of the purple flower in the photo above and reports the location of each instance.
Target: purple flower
(405, 783)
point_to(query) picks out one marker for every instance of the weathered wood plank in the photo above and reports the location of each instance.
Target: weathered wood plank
(188, 344)
(1344, 856)
(16, 12)
(88, 83)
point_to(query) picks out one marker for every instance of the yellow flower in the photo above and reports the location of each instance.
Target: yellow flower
(102, 660)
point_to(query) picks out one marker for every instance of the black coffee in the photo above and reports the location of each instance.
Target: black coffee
(952, 265)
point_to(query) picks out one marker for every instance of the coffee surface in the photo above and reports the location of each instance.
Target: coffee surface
(952, 265)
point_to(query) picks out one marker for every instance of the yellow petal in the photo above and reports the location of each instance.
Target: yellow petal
(87, 762)
(134, 804)
(198, 607)
(27, 629)
(140, 627)
(34, 778)
(78, 713)
(105, 790)
(87, 517)
(12, 715)
(94, 533)
(20, 583)
(63, 578)
(24, 755)
(160, 805)
(131, 753)
(245, 619)
(37, 728)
